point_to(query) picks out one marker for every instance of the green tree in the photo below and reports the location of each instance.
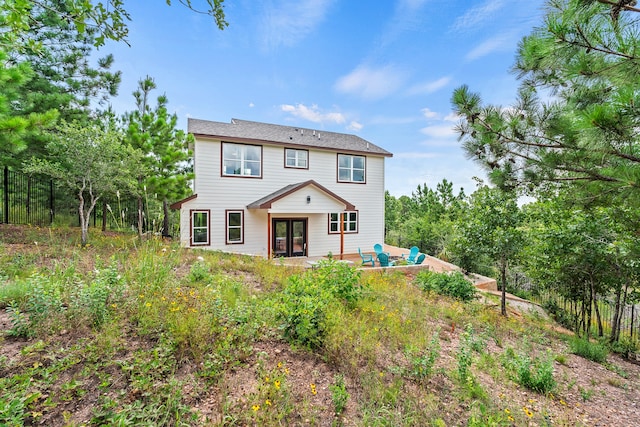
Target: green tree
(91, 161)
(576, 117)
(489, 229)
(152, 130)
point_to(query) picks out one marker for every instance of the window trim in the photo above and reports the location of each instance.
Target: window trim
(227, 227)
(192, 212)
(346, 221)
(230, 175)
(351, 181)
(296, 150)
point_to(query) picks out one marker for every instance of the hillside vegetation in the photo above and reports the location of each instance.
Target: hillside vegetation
(124, 332)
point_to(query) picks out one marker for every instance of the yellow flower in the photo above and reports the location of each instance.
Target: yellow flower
(511, 418)
(507, 411)
(266, 379)
(148, 304)
(562, 402)
(255, 408)
(276, 383)
(267, 402)
(279, 365)
(141, 295)
(527, 411)
(313, 389)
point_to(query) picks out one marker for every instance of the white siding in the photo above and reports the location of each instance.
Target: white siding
(218, 194)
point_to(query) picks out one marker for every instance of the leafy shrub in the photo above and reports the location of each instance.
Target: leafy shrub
(533, 373)
(626, 346)
(449, 284)
(199, 272)
(339, 394)
(422, 365)
(593, 351)
(306, 298)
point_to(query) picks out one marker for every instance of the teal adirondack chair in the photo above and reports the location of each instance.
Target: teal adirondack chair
(378, 249)
(383, 259)
(420, 259)
(367, 258)
(413, 253)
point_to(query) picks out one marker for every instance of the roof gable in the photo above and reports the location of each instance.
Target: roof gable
(268, 201)
(243, 130)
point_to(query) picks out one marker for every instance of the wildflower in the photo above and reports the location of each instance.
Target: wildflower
(562, 402)
(507, 411)
(266, 379)
(114, 305)
(511, 418)
(279, 365)
(267, 402)
(527, 411)
(148, 304)
(313, 389)
(255, 408)
(276, 384)
(501, 395)
(286, 371)
(141, 296)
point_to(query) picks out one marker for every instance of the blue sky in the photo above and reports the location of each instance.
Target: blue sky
(383, 70)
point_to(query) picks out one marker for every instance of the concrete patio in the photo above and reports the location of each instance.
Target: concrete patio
(430, 262)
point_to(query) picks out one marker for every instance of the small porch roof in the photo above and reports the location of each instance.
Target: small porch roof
(277, 199)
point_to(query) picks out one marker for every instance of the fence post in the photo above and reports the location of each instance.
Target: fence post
(52, 212)
(6, 194)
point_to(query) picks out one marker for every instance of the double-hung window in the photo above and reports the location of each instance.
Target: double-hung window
(351, 168)
(241, 160)
(235, 227)
(296, 158)
(349, 222)
(200, 225)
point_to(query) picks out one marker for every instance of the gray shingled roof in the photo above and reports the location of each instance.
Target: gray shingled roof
(243, 130)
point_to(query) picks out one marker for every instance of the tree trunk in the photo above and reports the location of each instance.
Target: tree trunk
(165, 221)
(503, 278)
(616, 316)
(140, 216)
(84, 224)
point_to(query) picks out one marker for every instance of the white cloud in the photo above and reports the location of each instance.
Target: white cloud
(251, 105)
(371, 83)
(429, 87)
(290, 21)
(494, 44)
(475, 16)
(428, 114)
(452, 117)
(355, 126)
(439, 131)
(313, 113)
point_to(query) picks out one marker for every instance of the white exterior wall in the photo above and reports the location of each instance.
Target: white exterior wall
(217, 194)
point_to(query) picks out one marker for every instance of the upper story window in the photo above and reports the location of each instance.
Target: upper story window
(296, 158)
(241, 160)
(351, 168)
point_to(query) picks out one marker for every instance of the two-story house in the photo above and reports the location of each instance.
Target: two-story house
(271, 190)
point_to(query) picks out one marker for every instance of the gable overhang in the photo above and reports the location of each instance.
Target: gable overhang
(303, 197)
(179, 203)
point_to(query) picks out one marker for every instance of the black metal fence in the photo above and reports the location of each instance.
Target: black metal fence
(35, 200)
(26, 199)
(571, 310)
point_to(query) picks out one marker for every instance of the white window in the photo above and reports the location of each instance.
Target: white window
(235, 227)
(351, 168)
(349, 222)
(199, 228)
(296, 158)
(241, 160)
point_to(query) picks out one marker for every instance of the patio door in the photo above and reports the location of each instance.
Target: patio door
(289, 237)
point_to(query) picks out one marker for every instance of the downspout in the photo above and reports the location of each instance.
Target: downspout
(341, 234)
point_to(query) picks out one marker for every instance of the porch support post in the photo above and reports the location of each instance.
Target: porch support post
(268, 235)
(341, 234)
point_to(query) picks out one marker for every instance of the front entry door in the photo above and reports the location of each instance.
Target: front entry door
(289, 237)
